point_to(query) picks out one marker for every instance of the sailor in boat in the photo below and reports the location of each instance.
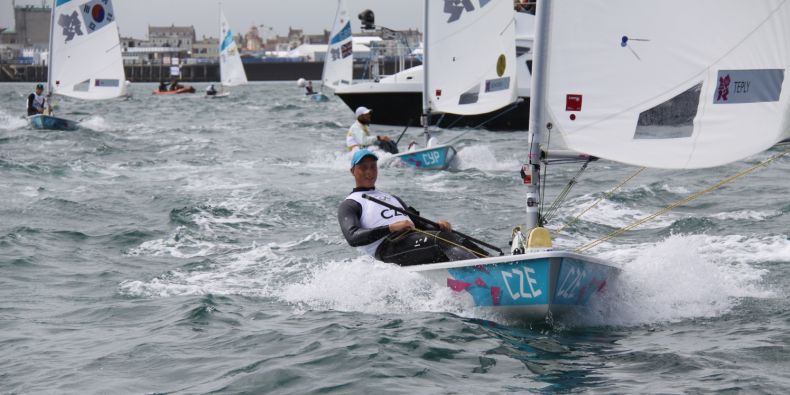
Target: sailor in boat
(309, 88)
(36, 101)
(358, 135)
(174, 85)
(392, 236)
(162, 86)
(211, 91)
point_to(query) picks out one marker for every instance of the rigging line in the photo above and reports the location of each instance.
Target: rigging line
(600, 199)
(564, 194)
(436, 236)
(682, 201)
(512, 107)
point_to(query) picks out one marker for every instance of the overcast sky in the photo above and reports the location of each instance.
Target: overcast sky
(313, 16)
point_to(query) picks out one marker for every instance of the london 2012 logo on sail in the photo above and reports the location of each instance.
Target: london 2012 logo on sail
(724, 88)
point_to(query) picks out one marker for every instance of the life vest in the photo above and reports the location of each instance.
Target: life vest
(351, 142)
(38, 101)
(375, 215)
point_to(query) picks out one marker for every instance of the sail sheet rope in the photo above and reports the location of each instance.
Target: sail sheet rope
(681, 202)
(600, 199)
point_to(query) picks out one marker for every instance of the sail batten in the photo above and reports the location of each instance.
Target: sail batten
(675, 84)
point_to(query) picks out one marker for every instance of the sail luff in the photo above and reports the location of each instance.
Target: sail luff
(49, 51)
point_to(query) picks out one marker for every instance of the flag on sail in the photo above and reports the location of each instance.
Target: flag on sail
(97, 14)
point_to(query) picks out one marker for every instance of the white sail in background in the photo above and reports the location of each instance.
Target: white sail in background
(472, 64)
(669, 84)
(231, 70)
(338, 65)
(85, 55)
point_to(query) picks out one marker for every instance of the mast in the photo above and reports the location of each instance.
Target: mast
(49, 52)
(537, 119)
(221, 37)
(426, 105)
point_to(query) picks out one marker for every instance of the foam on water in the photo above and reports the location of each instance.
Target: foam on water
(611, 213)
(747, 215)
(97, 123)
(259, 271)
(11, 122)
(684, 277)
(481, 157)
(364, 285)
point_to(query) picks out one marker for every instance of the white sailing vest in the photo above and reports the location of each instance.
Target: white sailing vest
(375, 215)
(38, 102)
(351, 143)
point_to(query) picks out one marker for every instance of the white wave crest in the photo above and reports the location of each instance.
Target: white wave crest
(684, 277)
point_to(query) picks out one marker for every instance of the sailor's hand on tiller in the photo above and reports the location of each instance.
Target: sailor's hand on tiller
(401, 226)
(444, 225)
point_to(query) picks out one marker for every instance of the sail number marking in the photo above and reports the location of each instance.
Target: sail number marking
(522, 292)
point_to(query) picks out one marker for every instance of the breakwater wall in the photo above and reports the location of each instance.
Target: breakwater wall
(263, 71)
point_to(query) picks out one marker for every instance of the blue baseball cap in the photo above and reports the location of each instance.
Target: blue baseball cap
(361, 154)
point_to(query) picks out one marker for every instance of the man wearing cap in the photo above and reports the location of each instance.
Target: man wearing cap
(358, 135)
(389, 235)
(36, 101)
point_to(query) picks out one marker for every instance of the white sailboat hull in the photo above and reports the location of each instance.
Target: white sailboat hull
(526, 287)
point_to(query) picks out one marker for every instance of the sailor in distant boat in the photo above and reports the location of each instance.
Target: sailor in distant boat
(389, 235)
(211, 91)
(359, 137)
(36, 101)
(309, 88)
(162, 86)
(174, 86)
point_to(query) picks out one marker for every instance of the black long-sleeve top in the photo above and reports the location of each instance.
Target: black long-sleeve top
(349, 214)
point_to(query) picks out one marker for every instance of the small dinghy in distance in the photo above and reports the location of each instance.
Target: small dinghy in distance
(431, 158)
(319, 97)
(231, 69)
(454, 82)
(42, 121)
(339, 61)
(218, 95)
(186, 89)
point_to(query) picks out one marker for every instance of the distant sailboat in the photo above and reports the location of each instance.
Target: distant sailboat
(339, 61)
(231, 70)
(84, 56)
(469, 68)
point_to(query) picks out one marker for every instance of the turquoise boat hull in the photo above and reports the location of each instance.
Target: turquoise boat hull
(528, 287)
(319, 97)
(434, 158)
(52, 123)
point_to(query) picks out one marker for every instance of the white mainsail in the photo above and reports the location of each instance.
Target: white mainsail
(85, 52)
(668, 84)
(472, 63)
(339, 62)
(231, 70)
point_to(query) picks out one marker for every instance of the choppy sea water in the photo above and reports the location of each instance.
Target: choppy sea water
(185, 245)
